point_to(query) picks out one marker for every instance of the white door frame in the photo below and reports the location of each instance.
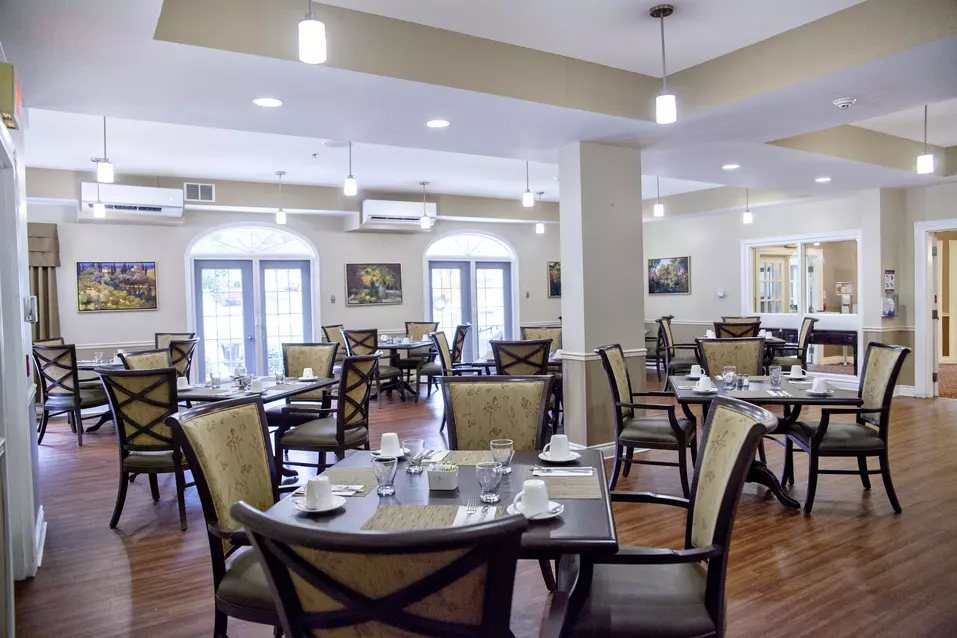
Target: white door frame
(923, 302)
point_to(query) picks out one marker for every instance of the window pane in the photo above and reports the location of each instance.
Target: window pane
(831, 276)
(775, 279)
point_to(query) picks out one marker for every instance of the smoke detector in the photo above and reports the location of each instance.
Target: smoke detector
(845, 103)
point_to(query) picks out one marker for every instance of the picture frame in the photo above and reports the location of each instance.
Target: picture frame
(553, 278)
(669, 276)
(116, 286)
(373, 284)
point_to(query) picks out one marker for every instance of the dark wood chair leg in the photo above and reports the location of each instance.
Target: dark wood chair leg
(429, 382)
(42, 428)
(78, 421)
(219, 624)
(888, 484)
(616, 469)
(693, 445)
(658, 368)
(811, 482)
(787, 473)
(154, 487)
(629, 456)
(71, 422)
(418, 384)
(683, 470)
(120, 499)
(181, 497)
(762, 453)
(378, 390)
(444, 418)
(547, 574)
(862, 466)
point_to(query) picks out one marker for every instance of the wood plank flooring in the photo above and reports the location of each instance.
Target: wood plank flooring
(852, 568)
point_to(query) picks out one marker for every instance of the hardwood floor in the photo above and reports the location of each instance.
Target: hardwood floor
(851, 568)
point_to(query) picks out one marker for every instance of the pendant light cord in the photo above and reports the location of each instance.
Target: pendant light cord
(658, 191)
(925, 128)
(664, 71)
(309, 15)
(106, 156)
(526, 177)
(350, 159)
(280, 192)
(747, 200)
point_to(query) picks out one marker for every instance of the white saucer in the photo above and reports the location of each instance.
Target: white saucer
(826, 393)
(299, 502)
(547, 457)
(691, 378)
(710, 391)
(309, 379)
(800, 378)
(516, 508)
(401, 456)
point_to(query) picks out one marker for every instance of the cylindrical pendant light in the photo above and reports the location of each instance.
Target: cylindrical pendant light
(280, 214)
(528, 199)
(666, 105)
(425, 222)
(659, 207)
(747, 217)
(350, 187)
(925, 161)
(540, 227)
(104, 168)
(312, 38)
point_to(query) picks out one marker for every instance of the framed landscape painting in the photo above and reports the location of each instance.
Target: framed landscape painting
(373, 284)
(669, 276)
(554, 279)
(115, 285)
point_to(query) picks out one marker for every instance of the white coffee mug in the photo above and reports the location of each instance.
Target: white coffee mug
(709, 334)
(307, 373)
(256, 385)
(704, 383)
(406, 340)
(182, 383)
(558, 447)
(318, 492)
(390, 444)
(695, 371)
(762, 333)
(797, 372)
(534, 497)
(819, 386)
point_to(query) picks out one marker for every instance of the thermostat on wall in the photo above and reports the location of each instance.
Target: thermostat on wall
(719, 293)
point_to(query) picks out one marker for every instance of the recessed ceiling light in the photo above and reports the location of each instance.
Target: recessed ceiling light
(731, 167)
(437, 123)
(822, 180)
(268, 102)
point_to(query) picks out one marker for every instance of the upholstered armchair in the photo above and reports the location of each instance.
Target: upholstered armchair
(746, 355)
(795, 354)
(677, 358)
(524, 358)
(444, 582)
(228, 451)
(365, 343)
(652, 592)
(141, 401)
(446, 362)
(664, 431)
(181, 353)
(62, 390)
(162, 339)
(861, 438)
(540, 333)
(301, 428)
(752, 319)
(296, 357)
(55, 341)
(414, 362)
(483, 408)
(736, 329)
(333, 334)
(146, 359)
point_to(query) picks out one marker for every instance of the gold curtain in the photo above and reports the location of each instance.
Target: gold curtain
(44, 258)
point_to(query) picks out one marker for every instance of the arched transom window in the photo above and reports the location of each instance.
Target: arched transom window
(252, 240)
(469, 246)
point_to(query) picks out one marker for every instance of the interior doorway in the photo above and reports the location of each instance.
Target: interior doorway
(945, 331)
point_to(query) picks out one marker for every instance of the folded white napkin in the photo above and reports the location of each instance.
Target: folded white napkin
(563, 472)
(436, 456)
(337, 490)
(481, 514)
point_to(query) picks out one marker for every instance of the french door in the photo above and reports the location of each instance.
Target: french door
(477, 292)
(246, 309)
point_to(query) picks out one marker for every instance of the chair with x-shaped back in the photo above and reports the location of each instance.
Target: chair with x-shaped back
(442, 582)
(522, 358)
(364, 343)
(62, 390)
(181, 353)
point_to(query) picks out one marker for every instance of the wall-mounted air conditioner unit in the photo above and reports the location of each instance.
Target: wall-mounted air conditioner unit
(389, 216)
(143, 204)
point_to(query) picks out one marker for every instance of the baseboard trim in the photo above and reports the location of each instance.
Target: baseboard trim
(41, 537)
(608, 449)
(905, 391)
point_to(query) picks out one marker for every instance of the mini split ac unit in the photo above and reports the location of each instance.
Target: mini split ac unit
(132, 203)
(387, 216)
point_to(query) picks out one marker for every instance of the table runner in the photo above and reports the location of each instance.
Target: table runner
(352, 476)
(561, 487)
(468, 457)
(210, 391)
(395, 518)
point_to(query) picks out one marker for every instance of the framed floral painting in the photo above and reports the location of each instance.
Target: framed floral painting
(373, 284)
(554, 279)
(669, 276)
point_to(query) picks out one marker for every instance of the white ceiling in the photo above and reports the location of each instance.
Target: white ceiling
(617, 33)
(68, 140)
(941, 123)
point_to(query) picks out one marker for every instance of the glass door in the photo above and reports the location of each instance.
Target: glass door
(286, 308)
(493, 303)
(449, 282)
(225, 316)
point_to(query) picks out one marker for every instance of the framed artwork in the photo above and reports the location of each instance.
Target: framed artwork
(373, 284)
(669, 276)
(554, 279)
(103, 286)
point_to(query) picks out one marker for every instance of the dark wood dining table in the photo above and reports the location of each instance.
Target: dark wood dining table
(90, 366)
(394, 349)
(582, 533)
(760, 393)
(272, 391)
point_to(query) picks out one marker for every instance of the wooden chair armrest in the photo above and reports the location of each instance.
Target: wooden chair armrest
(657, 556)
(685, 346)
(826, 414)
(555, 623)
(304, 409)
(655, 393)
(648, 406)
(465, 370)
(289, 488)
(649, 497)
(236, 537)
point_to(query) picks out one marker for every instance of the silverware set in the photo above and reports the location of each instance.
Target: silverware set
(552, 510)
(574, 470)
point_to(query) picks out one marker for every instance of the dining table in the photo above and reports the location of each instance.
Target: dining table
(792, 396)
(396, 347)
(91, 365)
(582, 533)
(272, 391)
(488, 363)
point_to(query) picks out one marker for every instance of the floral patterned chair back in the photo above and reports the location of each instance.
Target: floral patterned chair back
(181, 353)
(483, 408)
(741, 319)
(521, 357)
(882, 366)
(746, 355)
(441, 343)
(419, 331)
(361, 343)
(665, 335)
(146, 360)
(321, 357)
(355, 387)
(532, 333)
(441, 582)
(458, 342)
(141, 400)
(613, 360)
(333, 334)
(162, 339)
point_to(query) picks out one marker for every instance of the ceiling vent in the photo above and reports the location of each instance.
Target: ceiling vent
(199, 192)
(389, 216)
(132, 204)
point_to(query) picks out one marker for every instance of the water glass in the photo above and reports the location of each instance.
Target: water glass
(775, 373)
(502, 452)
(215, 379)
(728, 375)
(489, 476)
(384, 469)
(413, 450)
(98, 357)
(280, 376)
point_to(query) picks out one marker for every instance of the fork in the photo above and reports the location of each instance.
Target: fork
(549, 470)
(470, 506)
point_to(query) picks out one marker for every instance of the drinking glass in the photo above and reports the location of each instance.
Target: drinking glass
(502, 452)
(280, 376)
(728, 375)
(489, 477)
(215, 379)
(98, 357)
(384, 469)
(240, 371)
(413, 450)
(775, 373)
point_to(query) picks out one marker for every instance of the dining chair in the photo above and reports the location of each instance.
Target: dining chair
(53, 341)
(746, 355)
(521, 357)
(785, 358)
(863, 437)
(141, 401)
(296, 357)
(365, 343)
(146, 359)
(752, 319)
(333, 334)
(416, 359)
(736, 330)
(162, 339)
(668, 593)
(665, 432)
(63, 392)
(458, 343)
(181, 353)
(228, 451)
(447, 365)
(483, 408)
(318, 431)
(538, 333)
(677, 358)
(440, 582)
